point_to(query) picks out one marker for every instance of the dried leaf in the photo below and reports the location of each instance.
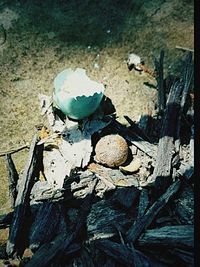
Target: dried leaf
(44, 133)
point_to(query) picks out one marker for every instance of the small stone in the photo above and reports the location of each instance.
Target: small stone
(111, 150)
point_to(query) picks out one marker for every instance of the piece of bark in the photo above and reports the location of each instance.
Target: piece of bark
(146, 147)
(147, 124)
(128, 257)
(101, 220)
(17, 239)
(49, 221)
(166, 255)
(143, 222)
(13, 178)
(178, 236)
(165, 221)
(52, 253)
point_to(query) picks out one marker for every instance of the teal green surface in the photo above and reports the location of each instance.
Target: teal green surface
(75, 108)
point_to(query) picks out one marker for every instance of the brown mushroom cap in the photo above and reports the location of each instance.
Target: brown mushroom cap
(111, 150)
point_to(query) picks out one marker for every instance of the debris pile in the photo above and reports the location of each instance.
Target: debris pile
(97, 193)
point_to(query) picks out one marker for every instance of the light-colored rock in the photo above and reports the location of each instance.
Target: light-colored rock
(111, 150)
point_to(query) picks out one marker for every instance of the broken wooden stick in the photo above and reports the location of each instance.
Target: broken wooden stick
(16, 241)
(13, 150)
(160, 81)
(184, 48)
(137, 129)
(13, 178)
(144, 221)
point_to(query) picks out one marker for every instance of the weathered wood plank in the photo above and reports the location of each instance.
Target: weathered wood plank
(161, 177)
(101, 220)
(48, 222)
(16, 241)
(162, 174)
(160, 81)
(13, 178)
(53, 252)
(178, 236)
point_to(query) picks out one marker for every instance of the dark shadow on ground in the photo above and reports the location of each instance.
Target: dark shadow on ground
(82, 23)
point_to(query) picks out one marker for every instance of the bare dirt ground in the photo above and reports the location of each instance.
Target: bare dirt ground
(45, 37)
